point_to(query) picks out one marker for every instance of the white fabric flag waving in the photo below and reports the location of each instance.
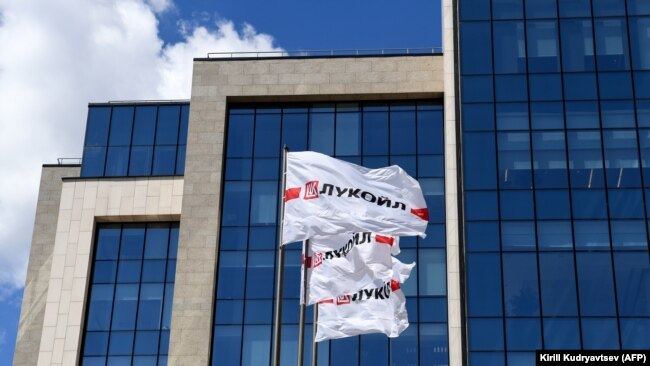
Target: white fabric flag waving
(345, 263)
(326, 196)
(378, 310)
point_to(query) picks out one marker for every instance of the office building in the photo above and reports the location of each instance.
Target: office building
(529, 134)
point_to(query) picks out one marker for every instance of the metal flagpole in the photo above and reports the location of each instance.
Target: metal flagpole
(301, 319)
(279, 270)
(314, 344)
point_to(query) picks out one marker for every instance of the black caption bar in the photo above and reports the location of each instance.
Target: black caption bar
(592, 358)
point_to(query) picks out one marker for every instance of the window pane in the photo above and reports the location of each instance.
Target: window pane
(482, 236)
(475, 9)
(129, 271)
(477, 89)
(93, 161)
(432, 272)
(150, 307)
(561, 333)
(611, 44)
(595, 284)
(125, 306)
(484, 285)
(617, 114)
(542, 46)
(132, 242)
(582, 115)
(480, 162)
(235, 203)
(507, 9)
(608, 8)
(558, 286)
(232, 271)
(521, 294)
(478, 117)
(121, 343)
(256, 345)
(554, 235)
(140, 162)
(514, 160)
(168, 122)
(108, 242)
(512, 116)
(164, 160)
(404, 349)
(599, 333)
(121, 126)
(549, 160)
(227, 344)
(375, 133)
(144, 127)
(99, 310)
(97, 126)
(577, 45)
(523, 334)
(621, 158)
(321, 133)
(485, 334)
(633, 283)
(402, 133)
(430, 132)
(96, 343)
(117, 161)
(540, 9)
(259, 276)
(264, 199)
(240, 136)
(267, 135)
(348, 133)
(511, 88)
(476, 43)
(575, 8)
(585, 159)
(294, 131)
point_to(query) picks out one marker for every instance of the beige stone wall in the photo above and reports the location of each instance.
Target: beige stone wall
(83, 203)
(454, 303)
(32, 312)
(217, 82)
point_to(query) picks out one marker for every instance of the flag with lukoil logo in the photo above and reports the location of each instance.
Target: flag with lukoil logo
(326, 196)
(345, 263)
(375, 310)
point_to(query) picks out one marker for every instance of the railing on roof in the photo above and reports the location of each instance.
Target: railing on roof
(330, 53)
(69, 161)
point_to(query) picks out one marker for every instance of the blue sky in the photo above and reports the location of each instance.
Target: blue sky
(101, 50)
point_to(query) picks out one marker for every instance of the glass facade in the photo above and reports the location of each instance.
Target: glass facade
(135, 140)
(409, 134)
(130, 297)
(555, 110)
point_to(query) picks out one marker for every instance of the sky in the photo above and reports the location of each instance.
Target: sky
(59, 55)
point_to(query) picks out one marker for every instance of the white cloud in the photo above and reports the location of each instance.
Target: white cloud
(57, 56)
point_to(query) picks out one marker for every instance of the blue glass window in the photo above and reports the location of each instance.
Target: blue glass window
(577, 45)
(545, 87)
(168, 124)
(558, 286)
(608, 8)
(480, 172)
(402, 132)
(115, 303)
(599, 333)
(484, 284)
(512, 116)
(546, 115)
(638, 7)
(97, 127)
(476, 44)
(595, 284)
(611, 44)
(543, 49)
(632, 283)
(507, 9)
(267, 135)
(482, 235)
(485, 334)
(480, 117)
(561, 333)
(514, 160)
(523, 334)
(475, 10)
(575, 8)
(121, 126)
(93, 161)
(511, 88)
(549, 160)
(477, 89)
(585, 159)
(520, 290)
(640, 42)
(321, 133)
(540, 9)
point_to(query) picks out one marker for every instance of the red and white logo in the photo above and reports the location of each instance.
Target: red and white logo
(318, 259)
(311, 190)
(343, 300)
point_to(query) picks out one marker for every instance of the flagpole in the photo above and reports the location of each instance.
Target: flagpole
(279, 270)
(314, 344)
(303, 302)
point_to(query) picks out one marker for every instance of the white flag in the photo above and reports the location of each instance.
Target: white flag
(326, 196)
(345, 263)
(378, 310)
